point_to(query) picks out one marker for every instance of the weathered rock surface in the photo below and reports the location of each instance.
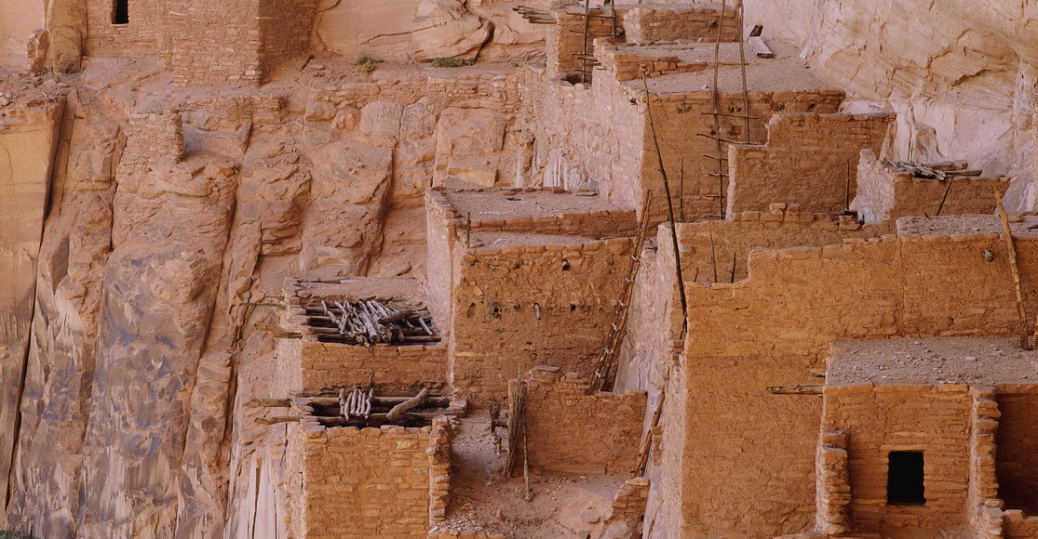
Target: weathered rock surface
(445, 29)
(29, 133)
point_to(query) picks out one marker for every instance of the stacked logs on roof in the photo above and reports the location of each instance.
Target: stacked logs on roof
(360, 408)
(935, 171)
(368, 322)
(535, 16)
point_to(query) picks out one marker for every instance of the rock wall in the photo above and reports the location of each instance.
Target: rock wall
(29, 134)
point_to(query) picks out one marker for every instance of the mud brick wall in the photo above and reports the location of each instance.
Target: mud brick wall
(881, 419)
(770, 329)
(885, 193)
(670, 23)
(362, 483)
(606, 427)
(809, 159)
(500, 292)
(1017, 451)
(728, 243)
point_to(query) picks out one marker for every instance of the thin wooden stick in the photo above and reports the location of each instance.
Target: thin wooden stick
(947, 189)
(670, 205)
(643, 453)
(1024, 342)
(526, 446)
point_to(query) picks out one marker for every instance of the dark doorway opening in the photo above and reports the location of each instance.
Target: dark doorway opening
(905, 478)
(121, 12)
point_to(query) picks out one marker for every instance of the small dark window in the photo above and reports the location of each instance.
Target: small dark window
(121, 12)
(905, 478)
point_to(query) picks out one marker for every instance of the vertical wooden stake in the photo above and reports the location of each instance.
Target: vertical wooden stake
(1024, 341)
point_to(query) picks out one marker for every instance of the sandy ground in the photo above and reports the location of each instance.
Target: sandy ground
(482, 499)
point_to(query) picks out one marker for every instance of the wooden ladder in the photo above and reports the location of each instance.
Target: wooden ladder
(587, 57)
(715, 101)
(605, 369)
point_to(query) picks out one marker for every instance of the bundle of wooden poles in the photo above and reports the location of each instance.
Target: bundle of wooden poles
(368, 322)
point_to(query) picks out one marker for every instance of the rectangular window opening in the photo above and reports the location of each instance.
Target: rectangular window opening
(905, 478)
(120, 12)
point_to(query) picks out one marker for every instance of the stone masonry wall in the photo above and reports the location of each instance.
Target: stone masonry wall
(565, 39)
(285, 27)
(669, 23)
(606, 427)
(1017, 451)
(546, 300)
(809, 159)
(770, 330)
(584, 138)
(362, 483)
(142, 36)
(983, 481)
(681, 118)
(880, 419)
(885, 193)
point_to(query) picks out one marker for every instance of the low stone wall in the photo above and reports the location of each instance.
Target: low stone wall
(363, 483)
(886, 193)
(605, 427)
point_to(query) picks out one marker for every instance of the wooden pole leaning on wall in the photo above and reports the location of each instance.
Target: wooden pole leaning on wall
(670, 208)
(1025, 342)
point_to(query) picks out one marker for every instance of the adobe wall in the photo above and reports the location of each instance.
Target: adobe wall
(1017, 451)
(809, 159)
(605, 428)
(1017, 526)
(770, 329)
(886, 193)
(539, 312)
(362, 483)
(724, 246)
(880, 419)
(313, 367)
(543, 285)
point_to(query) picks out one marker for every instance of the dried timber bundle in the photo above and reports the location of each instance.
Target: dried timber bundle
(368, 322)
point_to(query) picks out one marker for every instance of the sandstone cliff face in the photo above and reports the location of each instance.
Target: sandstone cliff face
(960, 75)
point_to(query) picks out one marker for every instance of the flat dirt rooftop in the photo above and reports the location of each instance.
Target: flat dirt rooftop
(786, 72)
(498, 204)
(956, 360)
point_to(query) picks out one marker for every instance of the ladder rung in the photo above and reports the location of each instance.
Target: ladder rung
(708, 156)
(716, 175)
(715, 137)
(730, 115)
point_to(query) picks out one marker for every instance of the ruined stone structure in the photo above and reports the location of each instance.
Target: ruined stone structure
(484, 269)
